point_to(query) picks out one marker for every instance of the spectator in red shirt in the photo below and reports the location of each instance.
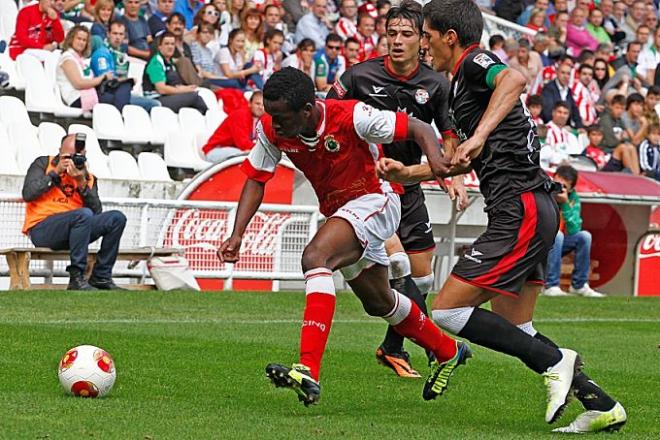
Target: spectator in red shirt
(236, 134)
(38, 29)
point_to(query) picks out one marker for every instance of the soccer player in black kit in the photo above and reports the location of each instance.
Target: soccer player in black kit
(505, 264)
(400, 82)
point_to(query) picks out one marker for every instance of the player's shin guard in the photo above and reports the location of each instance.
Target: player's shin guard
(317, 319)
(410, 321)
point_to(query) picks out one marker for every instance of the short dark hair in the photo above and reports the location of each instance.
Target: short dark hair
(655, 127)
(594, 128)
(585, 67)
(166, 34)
(291, 85)
(559, 104)
(363, 16)
(634, 98)
(117, 22)
(568, 173)
(585, 55)
(495, 39)
(351, 40)
(524, 43)
(618, 99)
(653, 90)
(463, 16)
(408, 10)
(633, 43)
(255, 94)
(535, 100)
(333, 37)
(174, 15)
(272, 33)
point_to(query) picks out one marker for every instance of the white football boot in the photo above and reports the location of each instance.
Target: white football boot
(596, 421)
(558, 379)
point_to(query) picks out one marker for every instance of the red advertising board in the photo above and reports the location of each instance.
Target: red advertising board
(647, 265)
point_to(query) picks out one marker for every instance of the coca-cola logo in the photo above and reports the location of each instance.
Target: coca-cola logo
(650, 246)
(200, 232)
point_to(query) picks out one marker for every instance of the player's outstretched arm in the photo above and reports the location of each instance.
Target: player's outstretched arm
(509, 85)
(251, 198)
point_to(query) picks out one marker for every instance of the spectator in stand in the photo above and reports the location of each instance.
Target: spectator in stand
(585, 94)
(496, 45)
(606, 52)
(508, 9)
(594, 149)
(381, 30)
(601, 73)
(237, 9)
(596, 28)
(251, 24)
(235, 73)
(383, 7)
(63, 211)
(570, 238)
(559, 90)
(111, 56)
(303, 58)
(293, 12)
(203, 56)
(648, 60)
(634, 120)
(76, 80)
(273, 20)
(616, 141)
(615, 21)
(157, 20)
(188, 8)
(315, 24)
(269, 59)
(176, 26)
(626, 72)
(381, 49)
(76, 11)
(104, 12)
(577, 35)
(38, 31)
(351, 51)
(558, 31)
(651, 16)
(207, 14)
(535, 107)
(540, 5)
(540, 44)
(161, 80)
(330, 65)
(649, 153)
(526, 61)
(366, 35)
(560, 142)
(236, 134)
(225, 20)
(650, 102)
(137, 29)
(537, 20)
(643, 35)
(347, 24)
(636, 16)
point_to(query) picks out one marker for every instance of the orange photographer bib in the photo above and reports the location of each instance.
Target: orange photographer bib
(59, 198)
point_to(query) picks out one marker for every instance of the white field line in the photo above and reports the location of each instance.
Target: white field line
(138, 321)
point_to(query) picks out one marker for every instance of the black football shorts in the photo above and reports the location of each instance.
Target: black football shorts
(415, 231)
(514, 248)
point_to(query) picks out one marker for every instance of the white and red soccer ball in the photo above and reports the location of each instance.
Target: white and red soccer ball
(87, 371)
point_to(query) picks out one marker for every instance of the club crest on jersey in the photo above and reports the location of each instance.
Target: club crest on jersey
(483, 60)
(421, 96)
(331, 144)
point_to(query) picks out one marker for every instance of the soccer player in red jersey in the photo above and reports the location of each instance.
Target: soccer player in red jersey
(333, 144)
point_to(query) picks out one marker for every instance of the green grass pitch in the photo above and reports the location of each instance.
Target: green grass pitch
(191, 366)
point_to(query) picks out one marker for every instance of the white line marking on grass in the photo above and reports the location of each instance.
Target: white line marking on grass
(284, 321)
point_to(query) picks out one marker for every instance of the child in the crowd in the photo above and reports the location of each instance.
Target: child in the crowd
(649, 153)
(594, 150)
(270, 57)
(535, 107)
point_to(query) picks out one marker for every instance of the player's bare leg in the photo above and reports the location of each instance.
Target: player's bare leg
(456, 309)
(391, 353)
(603, 412)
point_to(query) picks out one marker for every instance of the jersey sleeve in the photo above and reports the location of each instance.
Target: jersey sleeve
(441, 105)
(263, 158)
(481, 68)
(379, 126)
(343, 87)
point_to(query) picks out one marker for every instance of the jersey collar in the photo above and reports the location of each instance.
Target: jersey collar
(390, 71)
(320, 128)
(465, 53)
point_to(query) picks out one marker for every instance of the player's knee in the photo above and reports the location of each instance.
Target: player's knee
(452, 320)
(425, 283)
(399, 265)
(377, 308)
(313, 257)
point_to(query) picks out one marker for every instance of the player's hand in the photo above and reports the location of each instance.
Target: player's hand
(229, 249)
(457, 191)
(392, 170)
(464, 152)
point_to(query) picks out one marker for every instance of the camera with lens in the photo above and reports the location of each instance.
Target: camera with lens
(78, 158)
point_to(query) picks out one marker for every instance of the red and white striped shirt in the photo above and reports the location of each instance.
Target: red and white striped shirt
(584, 102)
(346, 28)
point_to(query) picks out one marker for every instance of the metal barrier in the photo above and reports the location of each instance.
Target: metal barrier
(271, 249)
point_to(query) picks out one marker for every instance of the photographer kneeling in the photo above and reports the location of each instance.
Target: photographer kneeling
(63, 211)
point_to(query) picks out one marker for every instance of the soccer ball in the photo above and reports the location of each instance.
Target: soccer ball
(87, 371)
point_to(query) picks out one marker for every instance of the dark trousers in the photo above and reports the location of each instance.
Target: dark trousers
(75, 230)
(177, 101)
(118, 97)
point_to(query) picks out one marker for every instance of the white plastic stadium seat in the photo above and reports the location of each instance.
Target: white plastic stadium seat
(137, 125)
(25, 138)
(8, 164)
(123, 166)
(213, 120)
(98, 165)
(92, 146)
(11, 67)
(8, 13)
(136, 71)
(13, 111)
(180, 151)
(50, 137)
(107, 122)
(163, 121)
(209, 98)
(153, 167)
(191, 121)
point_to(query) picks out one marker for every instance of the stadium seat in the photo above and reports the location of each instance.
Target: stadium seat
(163, 121)
(50, 137)
(8, 13)
(107, 122)
(24, 137)
(137, 125)
(153, 167)
(10, 66)
(123, 166)
(248, 95)
(180, 151)
(8, 164)
(61, 109)
(92, 145)
(98, 165)
(213, 120)
(191, 121)
(13, 111)
(209, 98)
(136, 71)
